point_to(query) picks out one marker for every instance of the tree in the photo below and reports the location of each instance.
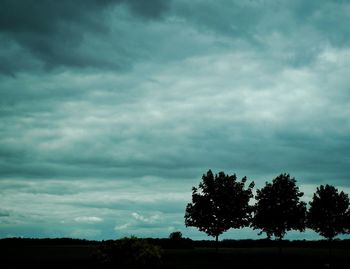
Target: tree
(175, 235)
(278, 208)
(219, 203)
(328, 214)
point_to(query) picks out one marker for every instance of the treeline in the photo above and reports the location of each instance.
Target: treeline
(263, 243)
(186, 243)
(222, 202)
(166, 243)
(46, 241)
(183, 243)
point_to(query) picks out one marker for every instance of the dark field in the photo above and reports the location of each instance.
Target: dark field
(80, 257)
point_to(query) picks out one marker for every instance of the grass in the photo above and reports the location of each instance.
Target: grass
(255, 258)
(80, 257)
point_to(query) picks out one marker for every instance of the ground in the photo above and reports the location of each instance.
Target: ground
(80, 257)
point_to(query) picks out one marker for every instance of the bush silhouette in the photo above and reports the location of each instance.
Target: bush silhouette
(175, 235)
(129, 252)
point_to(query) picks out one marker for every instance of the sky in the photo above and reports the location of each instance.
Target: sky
(111, 110)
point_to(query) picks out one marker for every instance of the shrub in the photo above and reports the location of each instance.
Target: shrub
(129, 252)
(175, 235)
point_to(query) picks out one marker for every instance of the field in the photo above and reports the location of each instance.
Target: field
(80, 257)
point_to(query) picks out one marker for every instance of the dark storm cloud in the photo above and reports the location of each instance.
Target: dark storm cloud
(50, 33)
(148, 9)
(235, 19)
(58, 34)
(45, 16)
(250, 19)
(87, 129)
(4, 213)
(308, 26)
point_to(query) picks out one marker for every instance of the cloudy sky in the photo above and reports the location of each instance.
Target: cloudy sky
(111, 110)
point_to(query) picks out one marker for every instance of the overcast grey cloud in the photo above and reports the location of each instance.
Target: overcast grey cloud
(111, 111)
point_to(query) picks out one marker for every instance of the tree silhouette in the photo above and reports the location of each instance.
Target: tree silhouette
(177, 235)
(278, 208)
(219, 203)
(328, 213)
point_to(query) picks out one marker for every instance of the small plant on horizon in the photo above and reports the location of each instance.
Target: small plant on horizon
(177, 235)
(219, 204)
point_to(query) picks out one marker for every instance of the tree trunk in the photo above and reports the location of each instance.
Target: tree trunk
(217, 243)
(330, 251)
(280, 250)
(280, 247)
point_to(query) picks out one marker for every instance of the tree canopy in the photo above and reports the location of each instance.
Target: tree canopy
(278, 208)
(328, 213)
(219, 203)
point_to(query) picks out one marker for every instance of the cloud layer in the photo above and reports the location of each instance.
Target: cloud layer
(112, 110)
